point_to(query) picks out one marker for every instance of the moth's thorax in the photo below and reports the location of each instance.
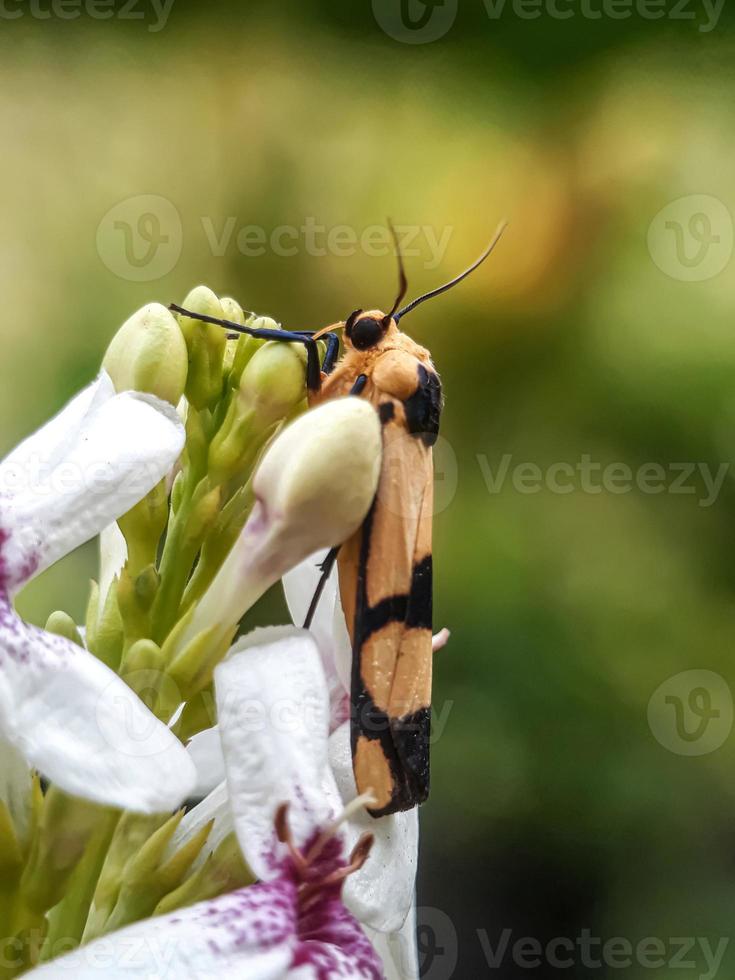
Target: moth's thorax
(389, 366)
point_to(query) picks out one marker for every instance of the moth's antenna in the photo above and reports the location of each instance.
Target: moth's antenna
(402, 281)
(454, 282)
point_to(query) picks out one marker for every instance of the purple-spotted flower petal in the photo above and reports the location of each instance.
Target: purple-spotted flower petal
(273, 709)
(274, 725)
(272, 703)
(267, 931)
(85, 468)
(249, 933)
(68, 715)
(80, 725)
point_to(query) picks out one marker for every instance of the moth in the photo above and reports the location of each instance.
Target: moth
(385, 569)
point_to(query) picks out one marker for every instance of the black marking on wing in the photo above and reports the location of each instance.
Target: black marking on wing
(419, 613)
(386, 411)
(424, 407)
(404, 741)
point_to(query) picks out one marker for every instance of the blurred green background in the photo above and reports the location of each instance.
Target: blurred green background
(554, 807)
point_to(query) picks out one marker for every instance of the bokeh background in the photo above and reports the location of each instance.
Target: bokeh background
(602, 328)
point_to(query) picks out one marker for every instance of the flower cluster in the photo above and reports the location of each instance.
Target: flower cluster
(193, 458)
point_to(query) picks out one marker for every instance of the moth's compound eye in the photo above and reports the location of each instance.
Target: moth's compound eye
(365, 333)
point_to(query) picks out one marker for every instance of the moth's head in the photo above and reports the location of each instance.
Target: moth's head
(368, 330)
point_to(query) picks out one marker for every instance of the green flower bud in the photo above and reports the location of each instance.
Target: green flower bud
(246, 347)
(67, 823)
(223, 871)
(131, 834)
(135, 596)
(143, 527)
(148, 353)
(232, 311)
(272, 385)
(274, 381)
(104, 626)
(206, 344)
(61, 624)
(153, 872)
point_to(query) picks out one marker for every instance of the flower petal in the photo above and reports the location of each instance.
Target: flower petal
(214, 807)
(124, 447)
(80, 725)
(381, 894)
(299, 586)
(205, 751)
(334, 945)
(273, 717)
(248, 933)
(15, 787)
(398, 950)
(113, 555)
(48, 445)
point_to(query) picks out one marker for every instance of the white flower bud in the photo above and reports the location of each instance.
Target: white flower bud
(148, 353)
(312, 489)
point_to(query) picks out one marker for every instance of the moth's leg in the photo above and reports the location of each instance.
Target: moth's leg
(313, 367)
(330, 358)
(332, 352)
(326, 566)
(360, 382)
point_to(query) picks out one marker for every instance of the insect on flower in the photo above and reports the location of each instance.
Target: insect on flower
(385, 568)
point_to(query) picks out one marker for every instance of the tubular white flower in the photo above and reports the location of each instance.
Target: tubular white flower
(273, 708)
(274, 725)
(67, 714)
(312, 489)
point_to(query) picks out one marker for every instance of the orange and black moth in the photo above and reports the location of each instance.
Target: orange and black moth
(385, 569)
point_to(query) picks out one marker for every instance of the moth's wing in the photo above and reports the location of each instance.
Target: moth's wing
(410, 698)
(385, 584)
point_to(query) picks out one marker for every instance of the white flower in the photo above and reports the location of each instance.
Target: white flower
(387, 885)
(286, 808)
(61, 709)
(312, 489)
(382, 895)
